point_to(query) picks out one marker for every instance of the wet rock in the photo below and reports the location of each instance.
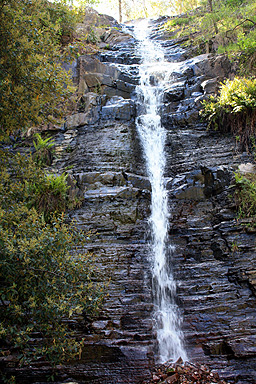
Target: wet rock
(118, 108)
(122, 53)
(175, 92)
(138, 181)
(120, 88)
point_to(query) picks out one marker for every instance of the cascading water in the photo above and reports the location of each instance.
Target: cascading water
(152, 78)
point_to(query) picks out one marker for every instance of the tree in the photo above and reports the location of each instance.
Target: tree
(42, 278)
(120, 10)
(31, 76)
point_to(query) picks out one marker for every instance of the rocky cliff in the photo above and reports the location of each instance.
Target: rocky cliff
(214, 258)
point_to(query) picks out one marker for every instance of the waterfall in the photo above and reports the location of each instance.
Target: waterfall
(153, 74)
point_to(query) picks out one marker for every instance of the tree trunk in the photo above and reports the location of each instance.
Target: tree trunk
(210, 5)
(214, 22)
(120, 11)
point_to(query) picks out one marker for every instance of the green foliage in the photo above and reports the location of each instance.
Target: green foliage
(42, 143)
(91, 36)
(228, 26)
(234, 3)
(235, 96)
(63, 18)
(49, 195)
(246, 196)
(234, 109)
(31, 75)
(178, 21)
(43, 150)
(43, 279)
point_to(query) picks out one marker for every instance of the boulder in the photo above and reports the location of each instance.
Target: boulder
(212, 66)
(210, 86)
(113, 37)
(94, 26)
(247, 168)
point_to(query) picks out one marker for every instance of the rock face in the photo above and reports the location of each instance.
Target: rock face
(214, 260)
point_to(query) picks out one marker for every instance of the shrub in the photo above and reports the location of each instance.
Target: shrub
(226, 26)
(42, 278)
(179, 21)
(62, 17)
(245, 196)
(234, 109)
(48, 195)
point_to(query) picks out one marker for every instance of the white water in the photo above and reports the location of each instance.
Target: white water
(152, 135)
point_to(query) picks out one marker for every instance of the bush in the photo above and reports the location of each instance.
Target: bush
(63, 18)
(179, 21)
(246, 196)
(234, 109)
(49, 195)
(42, 278)
(226, 26)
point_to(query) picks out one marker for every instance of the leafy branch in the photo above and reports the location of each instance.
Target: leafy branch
(239, 25)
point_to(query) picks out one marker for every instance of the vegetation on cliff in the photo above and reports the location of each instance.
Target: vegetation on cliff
(34, 37)
(234, 110)
(245, 197)
(43, 277)
(227, 26)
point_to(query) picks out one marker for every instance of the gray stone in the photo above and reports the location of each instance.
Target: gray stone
(247, 168)
(114, 37)
(118, 108)
(210, 86)
(175, 92)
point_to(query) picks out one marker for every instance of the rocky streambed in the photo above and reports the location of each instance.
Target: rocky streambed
(214, 258)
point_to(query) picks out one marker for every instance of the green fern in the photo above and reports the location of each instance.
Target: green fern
(43, 150)
(234, 109)
(42, 143)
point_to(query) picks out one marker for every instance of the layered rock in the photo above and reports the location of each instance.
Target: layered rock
(214, 261)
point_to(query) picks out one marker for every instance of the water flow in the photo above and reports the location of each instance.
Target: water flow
(152, 135)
